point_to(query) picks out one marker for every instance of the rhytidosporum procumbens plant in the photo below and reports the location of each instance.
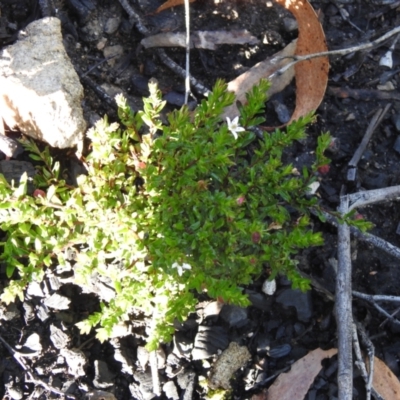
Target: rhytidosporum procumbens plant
(167, 210)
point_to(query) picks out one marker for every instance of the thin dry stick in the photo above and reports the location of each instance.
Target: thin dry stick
(342, 52)
(187, 23)
(364, 236)
(360, 363)
(370, 352)
(362, 199)
(138, 21)
(373, 300)
(154, 372)
(200, 88)
(376, 120)
(343, 311)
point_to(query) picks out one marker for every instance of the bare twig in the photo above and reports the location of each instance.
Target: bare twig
(342, 52)
(187, 43)
(364, 236)
(376, 120)
(362, 199)
(200, 88)
(135, 17)
(154, 372)
(373, 300)
(371, 355)
(138, 21)
(343, 310)
(376, 297)
(360, 362)
(367, 376)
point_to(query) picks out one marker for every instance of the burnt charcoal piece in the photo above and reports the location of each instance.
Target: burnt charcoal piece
(83, 8)
(208, 341)
(14, 169)
(279, 351)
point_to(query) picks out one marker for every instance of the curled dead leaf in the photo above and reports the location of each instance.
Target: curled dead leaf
(296, 383)
(384, 381)
(169, 4)
(311, 75)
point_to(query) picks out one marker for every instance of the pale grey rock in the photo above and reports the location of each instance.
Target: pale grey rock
(32, 346)
(233, 358)
(103, 377)
(57, 302)
(76, 361)
(15, 393)
(40, 92)
(59, 339)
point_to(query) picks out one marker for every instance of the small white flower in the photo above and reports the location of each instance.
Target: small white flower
(234, 126)
(181, 268)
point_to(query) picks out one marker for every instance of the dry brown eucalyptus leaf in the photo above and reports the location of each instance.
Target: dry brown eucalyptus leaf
(169, 4)
(311, 75)
(385, 381)
(296, 383)
(244, 82)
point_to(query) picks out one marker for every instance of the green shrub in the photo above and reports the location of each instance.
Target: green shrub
(166, 210)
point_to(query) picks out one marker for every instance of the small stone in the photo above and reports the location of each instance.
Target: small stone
(387, 86)
(54, 282)
(57, 302)
(396, 122)
(76, 361)
(8, 313)
(313, 187)
(143, 356)
(212, 309)
(170, 390)
(208, 341)
(298, 299)
(290, 24)
(43, 312)
(386, 60)
(233, 358)
(101, 395)
(29, 313)
(112, 25)
(59, 339)
(15, 393)
(125, 358)
(396, 145)
(113, 51)
(101, 44)
(279, 351)
(32, 344)
(103, 376)
(269, 287)
(234, 316)
(34, 289)
(182, 345)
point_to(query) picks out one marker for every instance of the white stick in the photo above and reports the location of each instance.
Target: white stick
(361, 199)
(187, 76)
(343, 311)
(364, 46)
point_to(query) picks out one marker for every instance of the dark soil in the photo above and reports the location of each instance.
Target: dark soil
(278, 329)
